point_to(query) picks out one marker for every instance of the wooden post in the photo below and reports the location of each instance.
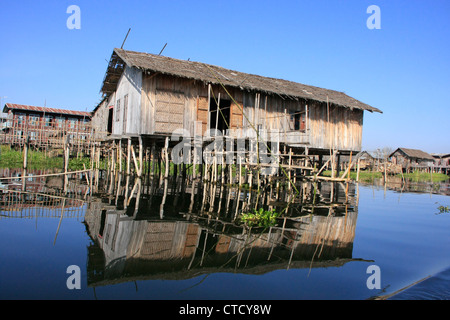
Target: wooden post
(66, 162)
(289, 173)
(217, 114)
(160, 157)
(338, 165)
(113, 162)
(97, 167)
(240, 172)
(129, 157)
(349, 165)
(25, 162)
(209, 106)
(357, 170)
(166, 148)
(136, 167)
(92, 156)
(152, 156)
(120, 156)
(25, 153)
(141, 150)
(194, 164)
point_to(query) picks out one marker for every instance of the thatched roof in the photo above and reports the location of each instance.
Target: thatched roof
(218, 75)
(414, 153)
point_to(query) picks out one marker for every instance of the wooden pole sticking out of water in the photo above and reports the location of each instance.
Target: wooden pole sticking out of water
(25, 162)
(357, 170)
(66, 162)
(25, 153)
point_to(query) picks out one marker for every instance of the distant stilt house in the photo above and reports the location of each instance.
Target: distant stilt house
(102, 118)
(43, 126)
(151, 96)
(412, 159)
(369, 160)
(441, 159)
(442, 162)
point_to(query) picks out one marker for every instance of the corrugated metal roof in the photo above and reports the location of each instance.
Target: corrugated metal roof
(14, 106)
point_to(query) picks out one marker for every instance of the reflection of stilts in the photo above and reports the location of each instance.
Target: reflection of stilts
(224, 188)
(163, 202)
(119, 187)
(127, 183)
(138, 183)
(60, 220)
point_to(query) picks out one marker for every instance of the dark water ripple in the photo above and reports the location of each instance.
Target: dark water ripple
(436, 287)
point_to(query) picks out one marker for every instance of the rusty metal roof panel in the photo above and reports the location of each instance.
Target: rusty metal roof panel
(14, 106)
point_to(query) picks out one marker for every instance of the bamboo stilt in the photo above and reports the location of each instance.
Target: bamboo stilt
(166, 152)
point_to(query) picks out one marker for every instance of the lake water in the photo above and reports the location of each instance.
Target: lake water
(179, 242)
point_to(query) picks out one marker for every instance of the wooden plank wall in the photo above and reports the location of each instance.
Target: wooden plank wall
(343, 132)
(130, 85)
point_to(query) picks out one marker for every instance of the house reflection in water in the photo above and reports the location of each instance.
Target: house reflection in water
(130, 245)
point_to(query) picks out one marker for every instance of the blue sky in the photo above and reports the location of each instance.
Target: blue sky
(402, 68)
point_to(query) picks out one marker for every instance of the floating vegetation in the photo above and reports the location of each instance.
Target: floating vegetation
(260, 218)
(443, 209)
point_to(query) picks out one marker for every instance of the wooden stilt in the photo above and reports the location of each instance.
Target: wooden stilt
(141, 152)
(357, 170)
(129, 157)
(66, 163)
(120, 156)
(166, 148)
(25, 162)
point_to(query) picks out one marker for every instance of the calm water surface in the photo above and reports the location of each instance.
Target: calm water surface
(167, 251)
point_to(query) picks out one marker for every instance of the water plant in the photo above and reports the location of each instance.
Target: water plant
(259, 218)
(443, 209)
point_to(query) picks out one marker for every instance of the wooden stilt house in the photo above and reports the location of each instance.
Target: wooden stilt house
(150, 95)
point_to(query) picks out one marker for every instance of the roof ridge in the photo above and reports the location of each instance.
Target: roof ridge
(232, 70)
(195, 70)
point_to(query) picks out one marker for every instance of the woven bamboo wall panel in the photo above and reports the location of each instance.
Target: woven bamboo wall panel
(169, 111)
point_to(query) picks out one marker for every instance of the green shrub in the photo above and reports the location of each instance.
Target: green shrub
(259, 218)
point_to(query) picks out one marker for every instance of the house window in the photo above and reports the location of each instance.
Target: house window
(59, 122)
(118, 110)
(20, 119)
(219, 115)
(83, 124)
(298, 121)
(48, 121)
(33, 119)
(72, 123)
